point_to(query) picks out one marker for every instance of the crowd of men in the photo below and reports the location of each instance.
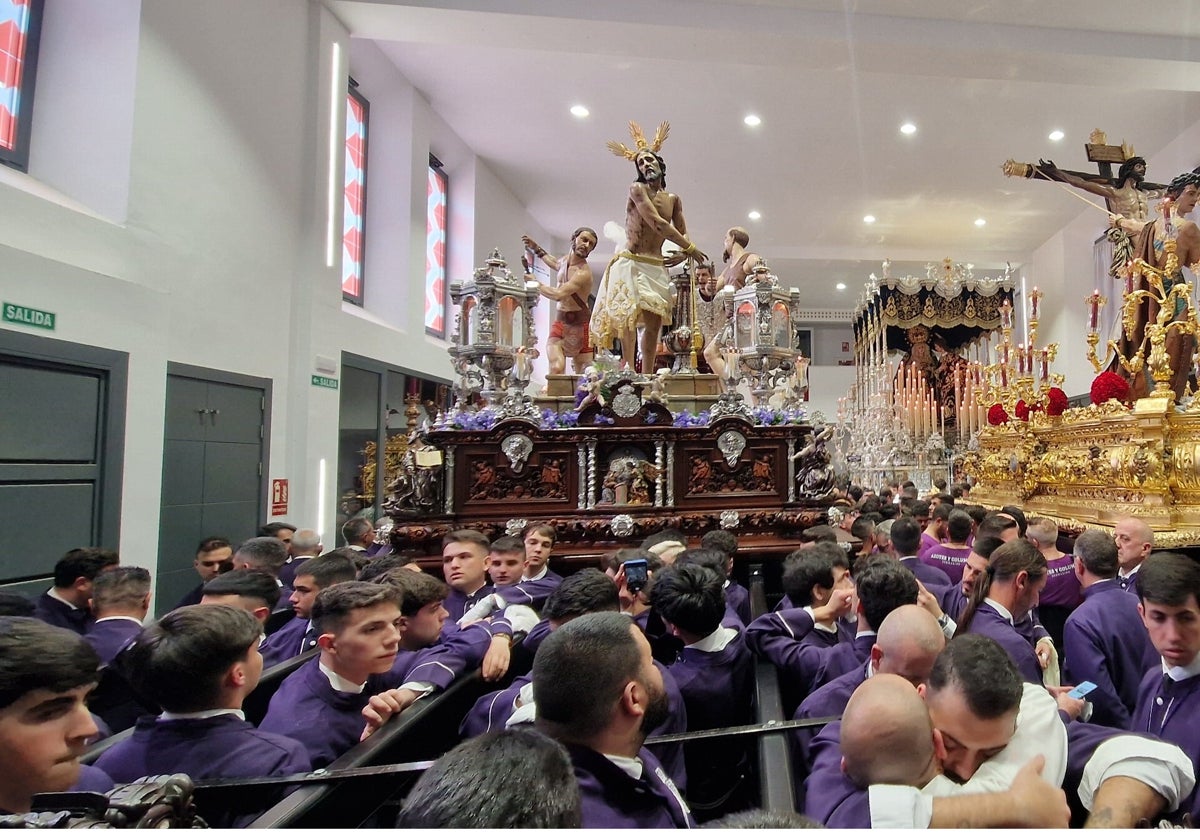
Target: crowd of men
(947, 648)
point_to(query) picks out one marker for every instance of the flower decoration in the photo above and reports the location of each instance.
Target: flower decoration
(997, 416)
(1056, 402)
(1109, 386)
(1021, 409)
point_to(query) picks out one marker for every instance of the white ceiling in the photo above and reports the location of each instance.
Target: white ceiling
(984, 80)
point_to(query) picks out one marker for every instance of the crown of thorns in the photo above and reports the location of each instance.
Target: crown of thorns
(639, 139)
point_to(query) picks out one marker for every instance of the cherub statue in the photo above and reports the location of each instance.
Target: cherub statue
(658, 387)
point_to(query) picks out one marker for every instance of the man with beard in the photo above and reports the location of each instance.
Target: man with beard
(598, 692)
(569, 333)
(635, 288)
(739, 264)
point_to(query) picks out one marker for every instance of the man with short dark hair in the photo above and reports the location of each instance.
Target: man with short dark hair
(1168, 700)
(951, 555)
(281, 531)
(46, 674)
(598, 692)
(299, 635)
(1104, 641)
(906, 540)
(715, 673)
(528, 777)
(737, 597)
(539, 542)
(358, 533)
(321, 704)
(210, 555)
(1062, 594)
(265, 554)
(198, 664)
(464, 566)
(120, 601)
(252, 590)
(934, 531)
(65, 604)
(998, 525)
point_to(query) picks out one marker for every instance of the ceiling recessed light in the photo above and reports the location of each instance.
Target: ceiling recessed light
(841, 287)
(579, 111)
(752, 120)
(908, 128)
(980, 222)
(1056, 135)
(869, 219)
(754, 215)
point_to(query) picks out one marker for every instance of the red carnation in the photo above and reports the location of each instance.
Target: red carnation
(1056, 402)
(997, 415)
(1108, 386)
(1021, 409)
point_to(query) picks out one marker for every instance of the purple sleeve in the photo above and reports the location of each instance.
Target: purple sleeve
(777, 638)
(442, 663)
(528, 592)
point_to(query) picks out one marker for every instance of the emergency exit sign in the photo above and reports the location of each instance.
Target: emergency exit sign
(324, 382)
(28, 316)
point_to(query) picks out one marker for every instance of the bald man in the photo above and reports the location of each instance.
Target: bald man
(1135, 541)
(909, 641)
(887, 737)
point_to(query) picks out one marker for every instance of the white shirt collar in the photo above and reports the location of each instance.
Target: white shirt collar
(60, 598)
(119, 618)
(1127, 575)
(340, 684)
(631, 766)
(207, 713)
(540, 574)
(715, 641)
(1183, 672)
(865, 634)
(1000, 608)
(828, 628)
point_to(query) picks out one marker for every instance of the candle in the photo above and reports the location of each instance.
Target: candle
(1045, 365)
(1094, 302)
(1006, 315)
(1034, 297)
(1021, 359)
(1004, 376)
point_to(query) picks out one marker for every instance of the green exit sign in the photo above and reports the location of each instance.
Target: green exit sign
(325, 382)
(29, 317)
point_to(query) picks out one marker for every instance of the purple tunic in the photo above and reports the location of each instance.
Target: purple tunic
(717, 689)
(988, 622)
(327, 722)
(288, 641)
(441, 663)
(457, 604)
(949, 560)
(827, 701)
(221, 747)
(1129, 583)
(109, 637)
(807, 658)
(1062, 587)
(611, 799)
(928, 543)
(492, 711)
(1105, 642)
(928, 575)
(830, 797)
(535, 637)
(1171, 711)
(55, 612)
(531, 593)
(93, 779)
(191, 598)
(737, 598)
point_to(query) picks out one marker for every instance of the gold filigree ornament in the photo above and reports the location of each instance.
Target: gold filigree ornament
(639, 140)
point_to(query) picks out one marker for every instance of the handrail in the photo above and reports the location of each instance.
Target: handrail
(774, 750)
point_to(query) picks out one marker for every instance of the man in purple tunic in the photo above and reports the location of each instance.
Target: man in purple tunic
(950, 556)
(321, 704)
(210, 555)
(507, 567)
(1062, 593)
(1135, 541)
(1168, 700)
(1015, 578)
(198, 664)
(44, 721)
(715, 673)
(266, 554)
(464, 566)
(65, 604)
(539, 541)
(796, 639)
(906, 541)
(309, 578)
(120, 601)
(598, 692)
(737, 597)
(1104, 641)
(934, 531)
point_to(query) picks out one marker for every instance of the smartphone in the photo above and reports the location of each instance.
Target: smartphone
(636, 575)
(1082, 690)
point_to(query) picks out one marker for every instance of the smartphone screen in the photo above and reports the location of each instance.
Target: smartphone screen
(636, 575)
(1082, 690)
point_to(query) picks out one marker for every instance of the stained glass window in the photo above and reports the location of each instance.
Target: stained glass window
(356, 196)
(435, 250)
(20, 25)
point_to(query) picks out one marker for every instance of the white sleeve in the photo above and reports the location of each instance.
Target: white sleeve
(1163, 767)
(1040, 731)
(899, 806)
(420, 687)
(521, 618)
